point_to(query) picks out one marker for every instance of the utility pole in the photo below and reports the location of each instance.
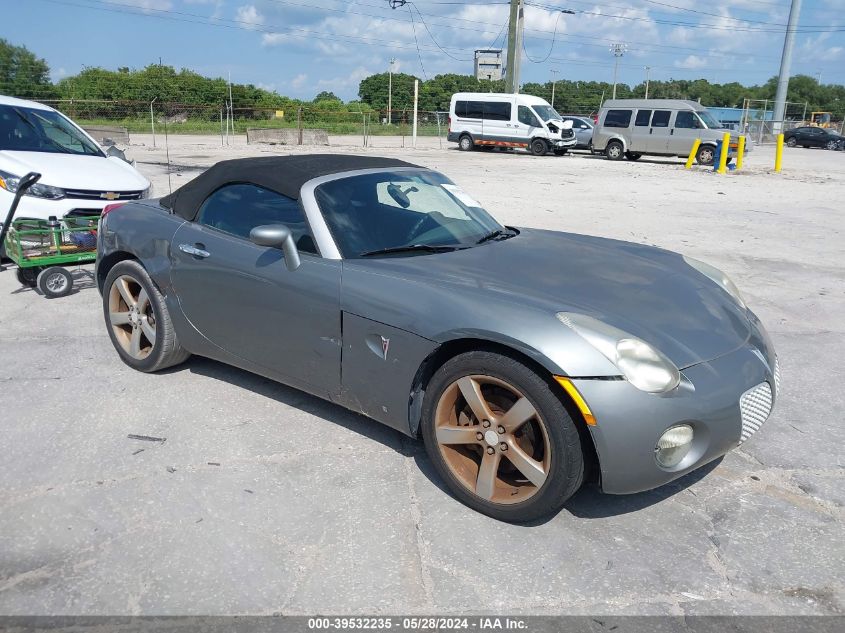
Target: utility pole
(618, 51)
(647, 73)
(390, 91)
(785, 63)
(515, 27)
(554, 81)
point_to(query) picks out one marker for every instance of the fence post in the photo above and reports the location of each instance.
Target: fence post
(299, 123)
(416, 96)
(153, 121)
(221, 128)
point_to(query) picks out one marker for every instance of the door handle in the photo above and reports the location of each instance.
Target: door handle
(650, 130)
(672, 132)
(193, 250)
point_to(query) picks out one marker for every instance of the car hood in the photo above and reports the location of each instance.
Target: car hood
(75, 171)
(650, 293)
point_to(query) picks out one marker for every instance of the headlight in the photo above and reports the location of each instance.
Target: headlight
(642, 365)
(147, 193)
(9, 182)
(716, 275)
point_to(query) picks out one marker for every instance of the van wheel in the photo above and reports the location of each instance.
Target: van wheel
(633, 156)
(465, 144)
(539, 147)
(561, 152)
(614, 150)
(705, 155)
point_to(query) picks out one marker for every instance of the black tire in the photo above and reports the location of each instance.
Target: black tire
(706, 155)
(55, 282)
(166, 350)
(614, 150)
(791, 142)
(566, 460)
(539, 147)
(465, 143)
(806, 146)
(27, 277)
(633, 156)
(831, 145)
(562, 152)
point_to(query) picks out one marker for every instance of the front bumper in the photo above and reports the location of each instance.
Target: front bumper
(564, 142)
(629, 421)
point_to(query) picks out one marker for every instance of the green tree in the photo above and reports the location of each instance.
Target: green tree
(22, 74)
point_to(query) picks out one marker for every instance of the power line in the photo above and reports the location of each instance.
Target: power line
(552, 45)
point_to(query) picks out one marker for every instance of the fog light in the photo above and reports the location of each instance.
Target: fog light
(673, 445)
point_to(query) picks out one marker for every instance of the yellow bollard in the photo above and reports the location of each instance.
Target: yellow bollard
(740, 152)
(723, 156)
(779, 154)
(692, 153)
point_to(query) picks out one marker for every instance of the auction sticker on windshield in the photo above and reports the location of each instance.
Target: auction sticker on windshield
(462, 195)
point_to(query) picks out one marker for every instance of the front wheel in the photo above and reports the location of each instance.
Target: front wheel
(539, 147)
(138, 321)
(791, 142)
(614, 150)
(633, 156)
(465, 144)
(55, 282)
(831, 145)
(561, 151)
(706, 155)
(500, 437)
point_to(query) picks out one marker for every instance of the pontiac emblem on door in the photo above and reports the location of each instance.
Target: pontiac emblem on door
(385, 345)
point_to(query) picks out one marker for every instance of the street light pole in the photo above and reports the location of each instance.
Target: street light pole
(785, 63)
(618, 50)
(647, 73)
(390, 91)
(554, 81)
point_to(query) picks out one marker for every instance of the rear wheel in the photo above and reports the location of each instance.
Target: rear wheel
(705, 155)
(55, 282)
(831, 145)
(138, 321)
(614, 150)
(562, 151)
(539, 147)
(465, 143)
(633, 156)
(27, 276)
(791, 142)
(500, 437)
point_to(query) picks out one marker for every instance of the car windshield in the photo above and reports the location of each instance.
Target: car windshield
(403, 211)
(709, 120)
(545, 112)
(35, 130)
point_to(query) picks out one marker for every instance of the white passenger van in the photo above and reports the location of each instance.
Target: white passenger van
(488, 120)
(661, 127)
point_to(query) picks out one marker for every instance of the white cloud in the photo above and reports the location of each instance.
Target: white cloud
(147, 5)
(692, 62)
(298, 81)
(249, 17)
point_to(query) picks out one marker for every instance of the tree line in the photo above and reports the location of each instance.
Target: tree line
(23, 74)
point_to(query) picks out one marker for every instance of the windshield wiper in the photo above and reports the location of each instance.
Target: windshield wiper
(407, 248)
(497, 234)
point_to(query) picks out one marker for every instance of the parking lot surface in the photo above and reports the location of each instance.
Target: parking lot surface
(261, 499)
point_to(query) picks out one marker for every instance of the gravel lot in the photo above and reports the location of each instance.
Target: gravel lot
(266, 500)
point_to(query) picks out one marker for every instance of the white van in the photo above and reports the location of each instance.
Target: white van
(488, 120)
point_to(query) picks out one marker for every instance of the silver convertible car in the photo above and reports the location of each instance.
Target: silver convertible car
(526, 360)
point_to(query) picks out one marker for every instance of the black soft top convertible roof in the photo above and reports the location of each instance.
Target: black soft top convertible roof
(283, 174)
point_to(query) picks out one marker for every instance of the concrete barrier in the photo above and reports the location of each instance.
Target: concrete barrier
(115, 133)
(286, 136)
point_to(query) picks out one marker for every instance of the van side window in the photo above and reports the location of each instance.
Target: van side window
(497, 110)
(661, 118)
(526, 117)
(468, 109)
(687, 120)
(617, 118)
(643, 117)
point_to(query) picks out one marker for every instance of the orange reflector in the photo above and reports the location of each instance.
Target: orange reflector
(567, 385)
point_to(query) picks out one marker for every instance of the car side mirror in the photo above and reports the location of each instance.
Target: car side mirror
(277, 236)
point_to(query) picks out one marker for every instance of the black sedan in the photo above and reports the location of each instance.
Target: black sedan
(814, 137)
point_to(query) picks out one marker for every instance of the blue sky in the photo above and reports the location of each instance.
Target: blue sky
(301, 47)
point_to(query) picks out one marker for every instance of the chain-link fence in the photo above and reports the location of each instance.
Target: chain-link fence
(118, 119)
(759, 123)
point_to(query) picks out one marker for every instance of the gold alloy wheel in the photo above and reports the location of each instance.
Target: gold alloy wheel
(132, 318)
(492, 439)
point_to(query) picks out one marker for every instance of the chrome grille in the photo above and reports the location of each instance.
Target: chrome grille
(111, 196)
(754, 406)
